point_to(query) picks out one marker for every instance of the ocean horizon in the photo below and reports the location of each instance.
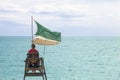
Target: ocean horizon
(75, 58)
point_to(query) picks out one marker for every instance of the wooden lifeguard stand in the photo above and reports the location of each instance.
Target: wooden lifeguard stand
(39, 70)
(53, 39)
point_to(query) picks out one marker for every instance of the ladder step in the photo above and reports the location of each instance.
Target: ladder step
(34, 74)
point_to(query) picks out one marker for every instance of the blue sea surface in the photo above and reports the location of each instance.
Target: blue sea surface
(75, 58)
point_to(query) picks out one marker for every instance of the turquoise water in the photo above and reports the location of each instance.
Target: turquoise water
(76, 58)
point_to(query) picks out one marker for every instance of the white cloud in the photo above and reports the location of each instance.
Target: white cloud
(68, 13)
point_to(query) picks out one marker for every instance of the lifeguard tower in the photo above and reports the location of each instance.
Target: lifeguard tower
(44, 37)
(35, 70)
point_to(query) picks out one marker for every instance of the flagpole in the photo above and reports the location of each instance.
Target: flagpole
(32, 28)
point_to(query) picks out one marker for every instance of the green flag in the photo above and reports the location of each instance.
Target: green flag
(46, 33)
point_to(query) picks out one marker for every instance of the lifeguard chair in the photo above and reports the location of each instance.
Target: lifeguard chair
(44, 37)
(34, 66)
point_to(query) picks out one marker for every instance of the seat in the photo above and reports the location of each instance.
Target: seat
(34, 66)
(33, 60)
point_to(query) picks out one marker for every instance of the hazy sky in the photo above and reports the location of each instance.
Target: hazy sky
(70, 17)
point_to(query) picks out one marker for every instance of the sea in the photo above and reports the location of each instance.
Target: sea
(75, 58)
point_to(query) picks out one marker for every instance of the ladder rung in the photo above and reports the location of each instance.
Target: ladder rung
(34, 74)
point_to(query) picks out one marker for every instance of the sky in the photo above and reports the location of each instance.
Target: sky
(70, 17)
